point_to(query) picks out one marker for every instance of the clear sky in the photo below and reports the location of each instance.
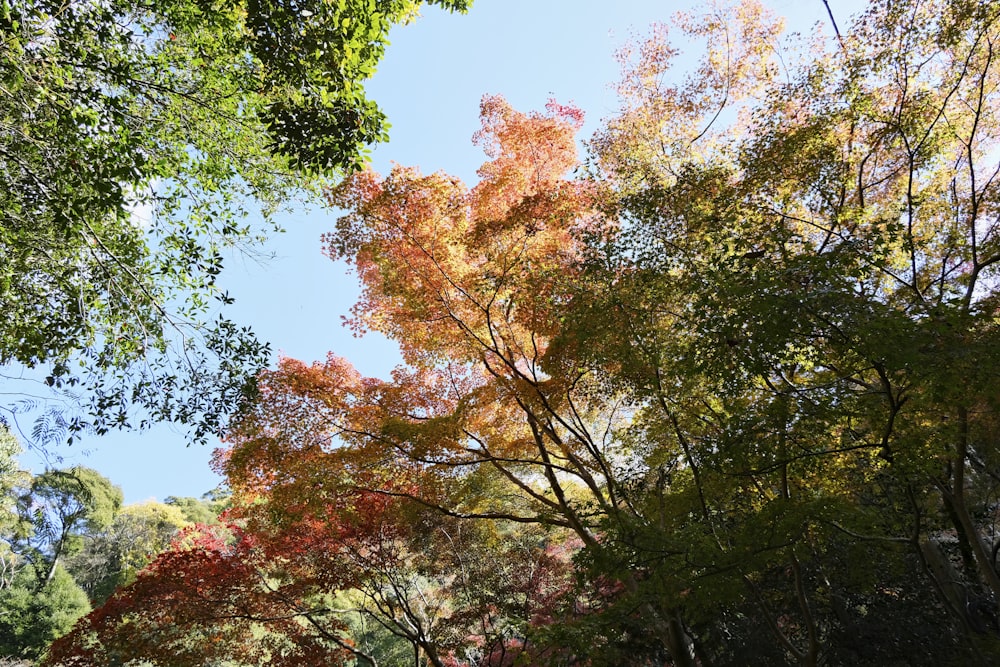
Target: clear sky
(429, 84)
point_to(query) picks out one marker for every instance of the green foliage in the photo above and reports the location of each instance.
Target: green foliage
(62, 506)
(134, 139)
(201, 510)
(113, 556)
(11, 479)
(81, 499)
(12, 526)
(373, 638)
(65, 541)
(803, 303)
(33, 617)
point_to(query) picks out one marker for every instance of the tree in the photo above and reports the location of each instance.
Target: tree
(201, 510)
(61, 506)
(33, 617)
(337, 518)
(12, 480)
(190, 113)
(353, 578)
(39, 600)
(113, 556)
(748, 368)
(228, 593)
(747, 365)
(805, 291)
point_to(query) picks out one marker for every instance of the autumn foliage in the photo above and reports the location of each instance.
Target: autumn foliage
(724, 396)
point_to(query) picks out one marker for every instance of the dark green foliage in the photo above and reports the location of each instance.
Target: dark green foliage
(32, 617)
(134, 140)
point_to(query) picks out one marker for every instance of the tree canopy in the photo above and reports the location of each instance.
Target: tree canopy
(66, 543)
(34, 616)
(724, 394)
(61, 506)
(135, 137)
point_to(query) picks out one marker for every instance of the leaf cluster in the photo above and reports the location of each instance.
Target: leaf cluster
(135, 138)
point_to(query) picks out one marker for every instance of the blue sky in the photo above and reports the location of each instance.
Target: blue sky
(430, 83)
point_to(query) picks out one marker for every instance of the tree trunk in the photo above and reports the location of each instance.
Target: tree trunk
(678, 642)
(956, 497)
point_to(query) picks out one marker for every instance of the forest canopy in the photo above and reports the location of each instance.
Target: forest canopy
(720, 393)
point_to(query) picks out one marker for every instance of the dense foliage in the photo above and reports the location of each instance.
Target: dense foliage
(135, 137)
(66, 544)
(33, 615)
(729, 399)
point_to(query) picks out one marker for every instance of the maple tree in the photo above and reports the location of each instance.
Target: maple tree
(737, 381)
(479, 426)
(337, 582)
